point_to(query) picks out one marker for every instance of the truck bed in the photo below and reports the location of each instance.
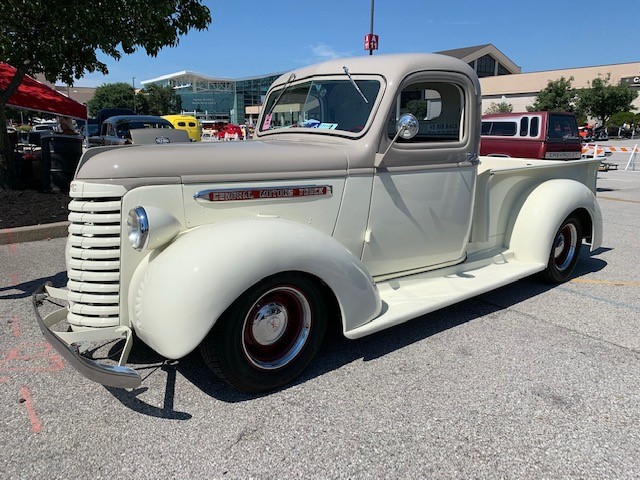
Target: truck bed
(504, 181)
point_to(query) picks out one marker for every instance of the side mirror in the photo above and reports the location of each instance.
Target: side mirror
(407, 126)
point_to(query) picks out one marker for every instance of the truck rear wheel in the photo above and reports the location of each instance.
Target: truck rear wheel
(564, 251)
(268, 336)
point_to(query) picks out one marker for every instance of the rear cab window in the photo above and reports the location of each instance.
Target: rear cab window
(562, 127)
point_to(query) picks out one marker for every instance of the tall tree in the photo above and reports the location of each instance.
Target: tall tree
(111, 95)
(157, 100)
(602, 99)
(61, 40)
(557, 96)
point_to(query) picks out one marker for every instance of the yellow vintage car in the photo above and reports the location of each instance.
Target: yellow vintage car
(188, 123)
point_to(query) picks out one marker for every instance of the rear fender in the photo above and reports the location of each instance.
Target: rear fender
(177, 295)
(543, 211)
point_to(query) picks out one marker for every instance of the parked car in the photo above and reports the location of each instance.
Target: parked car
(211, 126)
(230, 130)
(543, 135)
(90, 129)
(44, 127)
(117, 130)
(188, 123)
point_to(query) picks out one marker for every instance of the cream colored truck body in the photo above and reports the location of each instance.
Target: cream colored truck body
(387, 228)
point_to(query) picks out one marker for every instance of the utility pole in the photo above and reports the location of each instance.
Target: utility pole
(133, 84)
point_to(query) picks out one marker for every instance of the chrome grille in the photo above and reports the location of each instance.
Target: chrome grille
(93, 261)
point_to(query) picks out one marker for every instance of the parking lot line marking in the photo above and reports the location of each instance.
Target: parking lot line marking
(11, 244)
(600, 299)
(25, 397)
(15, 324)
(618, 199)
(605, 282)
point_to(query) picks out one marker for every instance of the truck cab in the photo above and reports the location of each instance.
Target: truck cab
(361, 201)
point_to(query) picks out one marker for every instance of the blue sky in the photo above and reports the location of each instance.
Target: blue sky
(253, 38)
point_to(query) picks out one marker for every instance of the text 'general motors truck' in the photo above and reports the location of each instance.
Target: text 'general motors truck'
(362, 201)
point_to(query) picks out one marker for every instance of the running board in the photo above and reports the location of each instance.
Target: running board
(409, 297)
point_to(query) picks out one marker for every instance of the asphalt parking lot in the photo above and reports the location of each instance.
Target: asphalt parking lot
(528, 381)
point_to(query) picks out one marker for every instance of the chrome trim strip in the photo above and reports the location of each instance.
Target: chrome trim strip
(265, 193)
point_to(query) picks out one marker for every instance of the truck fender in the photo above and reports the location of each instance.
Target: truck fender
(543, 211)
(177, 294)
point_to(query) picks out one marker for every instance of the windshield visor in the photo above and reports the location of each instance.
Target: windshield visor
(321, 104)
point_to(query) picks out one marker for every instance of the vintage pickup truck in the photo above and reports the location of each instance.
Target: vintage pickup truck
(361, 203)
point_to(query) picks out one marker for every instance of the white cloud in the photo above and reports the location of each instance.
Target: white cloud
(322, 51)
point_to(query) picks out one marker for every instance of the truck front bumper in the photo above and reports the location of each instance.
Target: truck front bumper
(70, 344)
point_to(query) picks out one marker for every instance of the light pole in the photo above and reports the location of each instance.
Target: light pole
(133, 84)
(371, 29)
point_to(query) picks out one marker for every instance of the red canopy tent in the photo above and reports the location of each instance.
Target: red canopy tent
(33, 95)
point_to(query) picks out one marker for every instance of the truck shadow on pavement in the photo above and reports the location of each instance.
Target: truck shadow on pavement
(26, 289)
(337, 350)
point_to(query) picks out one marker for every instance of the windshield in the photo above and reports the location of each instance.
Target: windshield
(321, 104)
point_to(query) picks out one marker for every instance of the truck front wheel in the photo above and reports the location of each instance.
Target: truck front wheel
(564, 251)
(269, 335)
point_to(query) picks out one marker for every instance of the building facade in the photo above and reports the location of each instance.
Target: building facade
(238, 100)
(521, 90)
(214, 98)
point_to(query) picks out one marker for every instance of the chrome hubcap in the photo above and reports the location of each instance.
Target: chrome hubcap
(269, 324)
(565, 246)
(276, 328)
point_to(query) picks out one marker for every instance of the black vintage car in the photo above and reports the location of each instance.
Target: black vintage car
(116, 130)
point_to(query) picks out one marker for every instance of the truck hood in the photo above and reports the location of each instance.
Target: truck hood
(223, 161)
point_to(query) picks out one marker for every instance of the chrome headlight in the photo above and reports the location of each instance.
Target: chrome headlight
(138, 228)
(151, 227)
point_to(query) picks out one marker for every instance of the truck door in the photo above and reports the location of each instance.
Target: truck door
(423, 191)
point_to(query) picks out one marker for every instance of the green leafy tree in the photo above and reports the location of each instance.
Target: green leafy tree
(157, 100)
(61, 40)
(557, 96)
(620, 118)
(418, 108)
(602, 99)
(111, 95)
(502, 107)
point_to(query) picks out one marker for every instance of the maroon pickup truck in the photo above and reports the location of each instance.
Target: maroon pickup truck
(542, 135)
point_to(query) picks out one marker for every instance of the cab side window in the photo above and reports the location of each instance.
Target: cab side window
(438, 106)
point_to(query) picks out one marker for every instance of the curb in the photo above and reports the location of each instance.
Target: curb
(33, 233)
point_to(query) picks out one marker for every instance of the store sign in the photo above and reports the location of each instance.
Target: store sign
(631, 81)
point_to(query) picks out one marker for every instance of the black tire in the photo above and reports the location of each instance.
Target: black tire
(565, 250)
(268, 336)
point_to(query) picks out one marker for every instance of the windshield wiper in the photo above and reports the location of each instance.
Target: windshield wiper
(291, 78)
(355, 85)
